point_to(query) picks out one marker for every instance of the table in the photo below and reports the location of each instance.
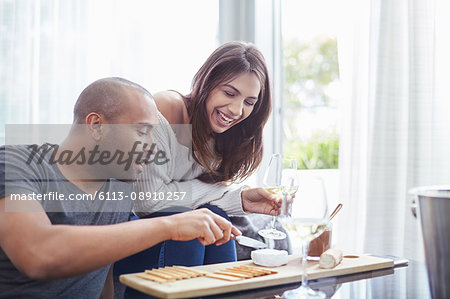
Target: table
(399, 282)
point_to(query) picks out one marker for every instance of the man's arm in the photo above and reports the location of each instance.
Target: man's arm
(45, 251)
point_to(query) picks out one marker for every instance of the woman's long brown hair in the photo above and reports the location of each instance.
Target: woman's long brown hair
(238, 151)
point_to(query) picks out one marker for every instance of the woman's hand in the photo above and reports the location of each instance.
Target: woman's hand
(202, 224)
(261, 201)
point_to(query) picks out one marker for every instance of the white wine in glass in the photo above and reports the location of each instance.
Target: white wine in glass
(272, 183)
(290, 182)
(305, 219)
(281, 180)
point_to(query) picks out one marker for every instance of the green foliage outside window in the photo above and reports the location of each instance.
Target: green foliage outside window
(321, 151)
(310, 70)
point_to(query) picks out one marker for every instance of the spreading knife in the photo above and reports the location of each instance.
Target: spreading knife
(249, 242)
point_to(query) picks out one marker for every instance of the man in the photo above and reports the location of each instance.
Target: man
(64, 248)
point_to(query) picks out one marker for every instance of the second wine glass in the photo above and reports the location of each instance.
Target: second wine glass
(306, 218)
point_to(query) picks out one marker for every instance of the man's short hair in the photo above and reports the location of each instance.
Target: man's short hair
(106, 97)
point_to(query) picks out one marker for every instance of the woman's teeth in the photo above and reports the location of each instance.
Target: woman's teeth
(224, 118)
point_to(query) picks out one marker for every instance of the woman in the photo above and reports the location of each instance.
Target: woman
(227, 108)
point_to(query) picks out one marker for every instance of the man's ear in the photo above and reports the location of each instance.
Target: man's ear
(94, 123)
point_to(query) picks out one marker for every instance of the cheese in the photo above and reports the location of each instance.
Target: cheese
(330, 258)
(270, 257)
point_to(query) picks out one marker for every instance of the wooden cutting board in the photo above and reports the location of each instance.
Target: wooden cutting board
(203, 286)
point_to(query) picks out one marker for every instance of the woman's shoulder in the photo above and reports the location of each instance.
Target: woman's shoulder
(171, 105)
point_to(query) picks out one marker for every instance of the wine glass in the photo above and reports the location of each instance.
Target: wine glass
(305, 217)
(272, 183)
(276, 180)
(290, 183)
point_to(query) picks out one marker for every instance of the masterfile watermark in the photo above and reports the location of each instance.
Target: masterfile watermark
(95, 156)
(99, 195)
(123, 165)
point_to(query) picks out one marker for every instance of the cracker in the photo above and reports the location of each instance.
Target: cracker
(263, 270)
(223, 277)
(226, 272)
(239, 273)
(159, 274)
(187, 269)
(151, 277)
(176, 275)
(170, 274)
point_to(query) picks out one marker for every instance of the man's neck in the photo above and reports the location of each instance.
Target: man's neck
(81, 175)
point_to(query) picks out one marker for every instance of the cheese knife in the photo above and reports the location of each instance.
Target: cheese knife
(249, 242)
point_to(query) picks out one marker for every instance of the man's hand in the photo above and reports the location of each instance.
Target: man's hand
(202, 224)
(261, 201)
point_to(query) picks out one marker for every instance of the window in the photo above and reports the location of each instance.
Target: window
(311, 83)
(311, 92)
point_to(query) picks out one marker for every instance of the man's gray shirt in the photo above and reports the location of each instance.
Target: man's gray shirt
(18, 175)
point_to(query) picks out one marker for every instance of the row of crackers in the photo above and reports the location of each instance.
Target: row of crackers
(173, 273)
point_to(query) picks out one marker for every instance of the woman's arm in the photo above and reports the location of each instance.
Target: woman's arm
(190, 194)
(234, 200)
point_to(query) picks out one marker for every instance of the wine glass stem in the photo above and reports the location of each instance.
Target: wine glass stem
(272, 222)
(305, 247)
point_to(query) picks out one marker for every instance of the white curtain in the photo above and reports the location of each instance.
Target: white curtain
(52, 49)
(395, 125)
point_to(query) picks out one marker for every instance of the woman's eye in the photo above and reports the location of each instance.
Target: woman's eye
(142, 133)
(249, 103)
(229, 93)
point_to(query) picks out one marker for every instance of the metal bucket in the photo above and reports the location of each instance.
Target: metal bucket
(434, 213)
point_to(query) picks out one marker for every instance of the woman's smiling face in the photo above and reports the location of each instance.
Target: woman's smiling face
(232, 102)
